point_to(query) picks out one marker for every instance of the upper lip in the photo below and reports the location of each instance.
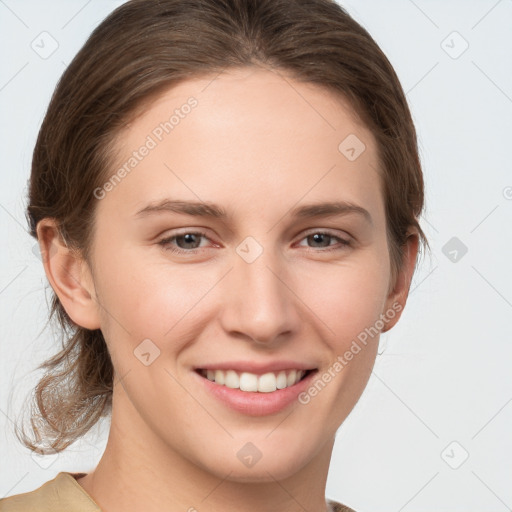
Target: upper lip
(257, 368)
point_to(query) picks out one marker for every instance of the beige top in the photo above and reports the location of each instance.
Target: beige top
(65, 494)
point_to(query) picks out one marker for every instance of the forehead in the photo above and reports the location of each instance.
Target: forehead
(234, 136)
(242, 95)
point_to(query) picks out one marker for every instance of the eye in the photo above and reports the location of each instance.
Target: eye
(324, 237)
(187, 242)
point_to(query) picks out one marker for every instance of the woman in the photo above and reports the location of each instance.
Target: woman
(273, 136)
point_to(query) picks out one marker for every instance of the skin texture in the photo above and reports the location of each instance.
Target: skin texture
(258, 144)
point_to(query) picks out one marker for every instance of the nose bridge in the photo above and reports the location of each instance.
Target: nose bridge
(259, 304)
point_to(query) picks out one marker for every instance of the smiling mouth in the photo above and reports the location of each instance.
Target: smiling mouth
(250, 382)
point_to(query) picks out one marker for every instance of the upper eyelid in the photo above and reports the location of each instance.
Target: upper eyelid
(204, 233)
(328, 231)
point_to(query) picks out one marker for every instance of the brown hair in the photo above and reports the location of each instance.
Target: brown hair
(143, 48)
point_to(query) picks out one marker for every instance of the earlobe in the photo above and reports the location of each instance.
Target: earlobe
(69, 276)
(397, 298)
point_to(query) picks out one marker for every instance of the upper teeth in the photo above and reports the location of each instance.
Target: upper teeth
(246, 381)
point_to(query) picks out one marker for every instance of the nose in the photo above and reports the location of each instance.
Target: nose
(258, 304)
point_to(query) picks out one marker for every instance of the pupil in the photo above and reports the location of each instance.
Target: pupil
(316, 236)
(189, 238)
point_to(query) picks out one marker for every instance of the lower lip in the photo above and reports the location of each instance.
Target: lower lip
(256, 403)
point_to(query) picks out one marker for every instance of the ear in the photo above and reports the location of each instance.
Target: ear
(69, 276)
(397, 297)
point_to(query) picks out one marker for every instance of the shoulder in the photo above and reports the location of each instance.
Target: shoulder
(338, 507)
(61, 494)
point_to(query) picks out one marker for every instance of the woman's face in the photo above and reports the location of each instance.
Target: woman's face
(268, 286)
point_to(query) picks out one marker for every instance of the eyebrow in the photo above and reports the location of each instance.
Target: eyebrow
(204, 209)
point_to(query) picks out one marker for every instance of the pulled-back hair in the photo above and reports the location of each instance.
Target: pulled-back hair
(143, 48)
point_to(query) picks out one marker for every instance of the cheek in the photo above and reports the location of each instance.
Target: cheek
(155, 301)
(164, 300)
(349, 297)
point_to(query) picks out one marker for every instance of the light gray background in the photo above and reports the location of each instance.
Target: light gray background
(442, 388)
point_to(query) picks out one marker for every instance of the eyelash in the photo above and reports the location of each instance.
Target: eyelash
(165, 243)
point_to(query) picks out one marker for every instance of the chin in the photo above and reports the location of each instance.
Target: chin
(277, 466)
